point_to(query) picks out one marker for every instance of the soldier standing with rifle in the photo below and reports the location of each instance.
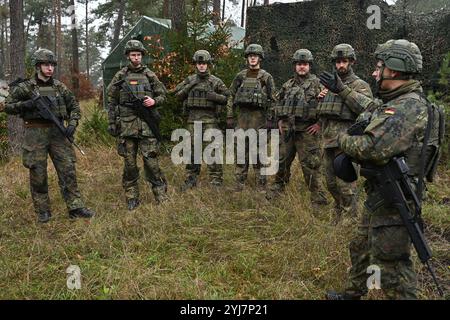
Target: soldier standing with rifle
(44, 103)
(133, 94)
(398, 148)
(202, 93)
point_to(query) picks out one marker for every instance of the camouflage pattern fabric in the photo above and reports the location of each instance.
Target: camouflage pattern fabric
(305, 145)
(208, 116)
(343, 193)
(397, 128)
(251, 118)
(134, 133)
(45, 139)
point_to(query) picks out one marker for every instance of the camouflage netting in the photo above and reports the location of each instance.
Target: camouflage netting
(321, 24)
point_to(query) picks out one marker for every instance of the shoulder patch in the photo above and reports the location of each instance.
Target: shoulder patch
(389, 111)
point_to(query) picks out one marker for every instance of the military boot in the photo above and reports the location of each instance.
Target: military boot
(81, 213)
(44, 217)
(274, 192)
(160, 194)
(133, 203)
(190, 183)
(261, 183)
(333, 295)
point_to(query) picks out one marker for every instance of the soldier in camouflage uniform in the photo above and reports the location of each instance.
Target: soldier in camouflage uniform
(42, 137)
(133, 133)
(397, 128)
(337, 113)
(202, 94)
(253, 92)
(295, 112)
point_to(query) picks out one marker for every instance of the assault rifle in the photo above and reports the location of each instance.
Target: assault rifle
(44, 105)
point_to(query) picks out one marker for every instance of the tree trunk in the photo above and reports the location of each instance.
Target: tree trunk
(223, 10)
(75, 58)
(17, 54)
(118, 23)
(243, 14)
(216, 11)
(178, 13)
(266, 2)
(58, 39)
(87, 41)
(166, 9)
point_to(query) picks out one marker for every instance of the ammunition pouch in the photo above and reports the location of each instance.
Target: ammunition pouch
(333, 107)
(250, 94)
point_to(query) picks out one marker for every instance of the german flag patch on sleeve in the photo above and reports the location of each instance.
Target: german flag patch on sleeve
(389, 111)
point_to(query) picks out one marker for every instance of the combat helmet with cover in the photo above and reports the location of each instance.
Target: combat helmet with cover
(43, 56)
(343, 51)
(254, 49)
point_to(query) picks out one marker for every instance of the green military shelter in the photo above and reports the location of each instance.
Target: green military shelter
(146, 26)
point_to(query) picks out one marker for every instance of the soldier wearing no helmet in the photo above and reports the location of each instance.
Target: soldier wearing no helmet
(133, 133)
(42, 137)
(202, 94)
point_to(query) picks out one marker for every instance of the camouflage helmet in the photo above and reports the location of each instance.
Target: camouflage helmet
(201, 56)
(43, 56)
(134, 45)
(400, 55)
(343, 51)
(254, 49)
(302, 55)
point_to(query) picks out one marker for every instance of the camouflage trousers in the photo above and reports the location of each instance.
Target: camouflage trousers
(307, 148)
(382, 240)
(250, 119)
(344, 193)
(128, 149)
(215, 170)
(38, 144)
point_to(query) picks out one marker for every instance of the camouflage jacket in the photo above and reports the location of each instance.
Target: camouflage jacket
(196, 105)
(67, 106)
(267, 84)
(330, 127)
(297, 101)
(397, 128)
(124, 116)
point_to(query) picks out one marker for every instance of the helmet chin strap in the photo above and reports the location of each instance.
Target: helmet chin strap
(399, 77)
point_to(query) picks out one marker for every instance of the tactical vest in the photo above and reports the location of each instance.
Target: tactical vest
(58, 107)
(295, 104)
(333, 107)
(197, 96)
(140, 85)
(250, 94)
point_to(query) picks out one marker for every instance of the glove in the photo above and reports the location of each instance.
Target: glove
(215, 97)
(70, 131)
(112, 129)
(28, 105)
(332, 81)
(230, 123)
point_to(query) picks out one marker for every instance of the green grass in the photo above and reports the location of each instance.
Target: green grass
(203, 244)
